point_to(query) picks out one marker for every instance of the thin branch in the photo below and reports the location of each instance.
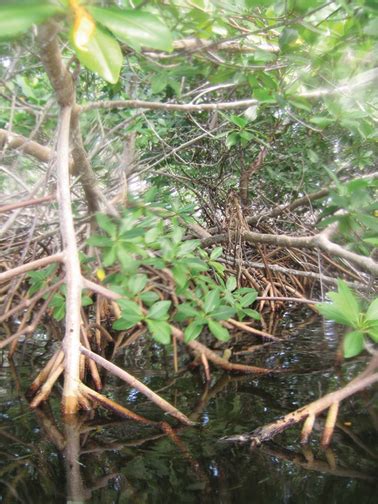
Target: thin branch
(133, 382)
(38, 263)
(178, 107)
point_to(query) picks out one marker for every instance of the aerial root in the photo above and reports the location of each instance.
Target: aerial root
(309, 412)
(141, 387)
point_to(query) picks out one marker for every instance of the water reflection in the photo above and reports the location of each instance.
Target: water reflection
(98, 458)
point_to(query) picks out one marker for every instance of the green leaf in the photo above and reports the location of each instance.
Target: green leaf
(185, 311)
(211, 301)
(160, 330)
(130, 308)
(86, 300)
(371, 241)
(195, 265)
(123, 324)
(220, 332)
(101, 54)
(136, 28)
(252, 313)
(372, 312)
(100, 241)
(179, 273)
(59, 312)
(217, 252)
(231, 284)
(137, 283)
(248, 299)
(232, 139)
(353, 344)
(187, 247)
(322, 122)
(241, 122)
(105, 223)
(149, 297)
(159, 310)
(17, 19)
(344, 308)
(223, 312)
(193, 330)
(218, 267)
(372, 331)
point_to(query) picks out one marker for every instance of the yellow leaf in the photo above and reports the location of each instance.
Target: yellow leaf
(100, 273)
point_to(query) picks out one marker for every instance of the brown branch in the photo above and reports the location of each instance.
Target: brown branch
(267, 432)
(29, 301)
(71, 341)
(247, 174)
(30, 147)
(60, 78)
(319, 240)
(133, 382)
(27, 203)
(177, 107)
(38, 263)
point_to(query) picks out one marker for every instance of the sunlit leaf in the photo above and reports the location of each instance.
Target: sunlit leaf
(102, 54)
(17, 19)
(137, 28)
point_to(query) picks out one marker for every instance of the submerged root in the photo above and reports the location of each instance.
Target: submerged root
(308, 413)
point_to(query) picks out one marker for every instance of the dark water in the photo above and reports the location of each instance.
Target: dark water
(103, 459)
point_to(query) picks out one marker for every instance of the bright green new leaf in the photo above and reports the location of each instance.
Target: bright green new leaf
(137, 28)
(193, 330)
(17, 19)
(220, 332)
(353, 344)
(159, 310)
(344, 308)
(217, 252)
(160, 330)
(372, 312)
(101, 54)
(372, 331)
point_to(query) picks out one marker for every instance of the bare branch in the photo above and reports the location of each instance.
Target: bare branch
(178, 107)
(39, 263)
